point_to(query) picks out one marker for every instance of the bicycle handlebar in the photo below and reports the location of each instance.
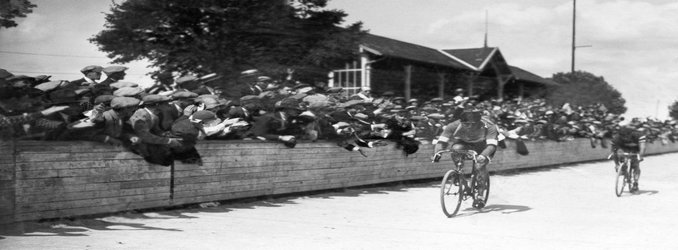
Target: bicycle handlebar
(467, 153)
(624, 154)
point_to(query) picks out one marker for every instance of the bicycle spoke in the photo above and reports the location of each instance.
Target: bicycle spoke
(451, 193)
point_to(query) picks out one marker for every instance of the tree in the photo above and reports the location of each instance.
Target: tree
(229, 36)
(11, 9)
(582, 88)
(673, 110)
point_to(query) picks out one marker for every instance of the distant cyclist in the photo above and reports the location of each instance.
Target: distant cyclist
(471, 132)
(631, 140)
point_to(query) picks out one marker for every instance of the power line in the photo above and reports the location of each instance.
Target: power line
(54, 55)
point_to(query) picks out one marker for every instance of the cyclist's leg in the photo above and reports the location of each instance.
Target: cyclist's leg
(482, 170)
(635, 166)
(480, 147)
(482, 173)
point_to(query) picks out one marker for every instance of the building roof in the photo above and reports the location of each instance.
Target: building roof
(474, 57)
(524, 75)
(393, 48)
(470, 59)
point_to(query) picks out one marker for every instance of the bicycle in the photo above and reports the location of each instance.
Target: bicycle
(624, 172)
(455, 186)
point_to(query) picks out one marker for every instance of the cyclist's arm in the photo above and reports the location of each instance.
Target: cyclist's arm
(440, 146)
(489, 150)
(444, 139)
(491, 141)
(642, 147)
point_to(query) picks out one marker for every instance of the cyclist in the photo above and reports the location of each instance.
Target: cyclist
(631, 140)
(471, 132)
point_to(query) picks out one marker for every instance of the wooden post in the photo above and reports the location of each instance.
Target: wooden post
(500, 88)
(501, 82)
(469, 84)
(408, 82)
(441, 85)
(365, 72)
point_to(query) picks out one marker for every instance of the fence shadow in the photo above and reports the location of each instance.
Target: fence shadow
(77, 226)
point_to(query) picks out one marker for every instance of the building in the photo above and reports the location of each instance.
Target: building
(415, 71)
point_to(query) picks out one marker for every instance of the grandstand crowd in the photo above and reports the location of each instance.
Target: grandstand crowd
(164, 122)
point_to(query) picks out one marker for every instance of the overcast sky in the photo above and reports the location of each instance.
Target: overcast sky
(634, 44)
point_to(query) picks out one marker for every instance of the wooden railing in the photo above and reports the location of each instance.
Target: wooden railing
(41, 180)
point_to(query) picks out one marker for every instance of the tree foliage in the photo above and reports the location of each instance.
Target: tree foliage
(11, 9)
(673, 110)
(229, 36)
(583, 88)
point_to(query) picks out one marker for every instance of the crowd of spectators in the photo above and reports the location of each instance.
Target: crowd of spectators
(163, 123)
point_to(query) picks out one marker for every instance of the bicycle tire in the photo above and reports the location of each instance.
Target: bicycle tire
(487, 189)
(474, 188)
(629, 179)
(451, 192)
(620, 180)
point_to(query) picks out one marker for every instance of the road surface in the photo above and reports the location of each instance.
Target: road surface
(566, 207)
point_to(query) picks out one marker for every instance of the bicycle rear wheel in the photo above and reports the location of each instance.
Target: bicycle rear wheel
(620, 180)
(451, 193)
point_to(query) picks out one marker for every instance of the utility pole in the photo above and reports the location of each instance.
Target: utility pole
(485, 44)
(574, 27)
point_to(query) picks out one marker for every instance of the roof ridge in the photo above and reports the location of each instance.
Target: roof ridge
(473, 48)
(418, 45)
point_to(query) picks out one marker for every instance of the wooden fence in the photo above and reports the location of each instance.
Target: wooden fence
(42, 180)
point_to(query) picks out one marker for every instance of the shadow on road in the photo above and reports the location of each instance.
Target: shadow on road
(645, 192)
(289, 199)
(501, 208)
(80, 226)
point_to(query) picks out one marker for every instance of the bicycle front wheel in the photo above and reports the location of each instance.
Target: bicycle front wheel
(451, 190)
(620, 180)
(629, 179)
(486, 192)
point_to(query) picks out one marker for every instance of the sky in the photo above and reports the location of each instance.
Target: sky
(633, 44)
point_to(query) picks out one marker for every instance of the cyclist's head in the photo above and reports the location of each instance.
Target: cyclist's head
(470, 116)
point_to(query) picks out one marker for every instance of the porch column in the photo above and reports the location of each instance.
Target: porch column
(469, 84)
(365, 72)
(501, 82)
(408, 82)
(441, 85)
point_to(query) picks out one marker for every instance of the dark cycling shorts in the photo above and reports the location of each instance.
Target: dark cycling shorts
(477, 146)
(632, 150)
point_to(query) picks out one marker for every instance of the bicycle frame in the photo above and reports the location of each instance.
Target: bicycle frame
(456, 184)
(624, 171)
(459, 163)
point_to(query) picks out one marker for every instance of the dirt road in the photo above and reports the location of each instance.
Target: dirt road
(568, 207)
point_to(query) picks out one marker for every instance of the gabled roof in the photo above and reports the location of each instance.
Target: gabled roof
(393, 48)
(476, 58)
(524, 75)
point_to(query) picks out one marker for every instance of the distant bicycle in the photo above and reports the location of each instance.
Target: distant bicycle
(624, 172)
(457, 187)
